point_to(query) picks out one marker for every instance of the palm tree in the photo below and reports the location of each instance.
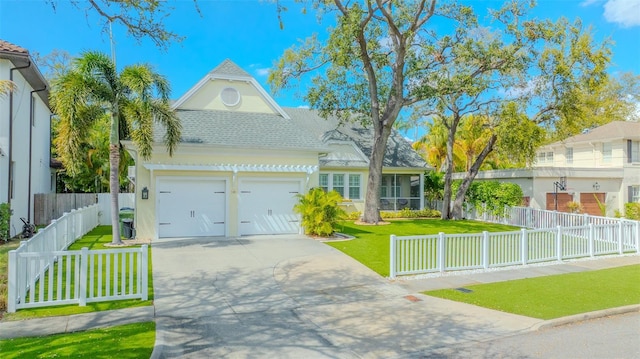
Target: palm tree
(6, 86)
(133, 99)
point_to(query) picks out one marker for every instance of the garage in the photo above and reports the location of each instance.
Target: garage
(590, 204)
(563, 199)
(266, 206)
(191, 207)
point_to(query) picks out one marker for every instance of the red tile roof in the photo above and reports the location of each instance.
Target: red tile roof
(9, 47)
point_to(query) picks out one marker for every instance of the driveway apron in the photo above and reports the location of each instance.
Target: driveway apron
(293, 297)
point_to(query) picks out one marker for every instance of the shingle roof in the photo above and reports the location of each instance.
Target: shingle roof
(306, 130)
(228, 67)
(242, 129)
(399, 152)
(6, 46)
(611, 131)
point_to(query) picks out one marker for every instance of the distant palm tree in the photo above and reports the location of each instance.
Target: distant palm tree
(6, 86)
(133, 99)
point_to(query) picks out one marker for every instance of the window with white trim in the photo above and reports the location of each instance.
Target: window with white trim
(634, 151)
(550, 157)
(606, 152)
(324, 181)
(568, 153)
(354, 186)
(634, 193)
(347, 184)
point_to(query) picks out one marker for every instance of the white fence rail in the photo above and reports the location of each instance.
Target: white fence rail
(536, 218)
(445, 252)
(38, 279)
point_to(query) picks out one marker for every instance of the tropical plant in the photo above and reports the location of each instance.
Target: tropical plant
(575, 207)
(493, 196)
(320, 211)
(6, 86)
(133, 99)
(601, 206)
(5, 218)
(632, 211)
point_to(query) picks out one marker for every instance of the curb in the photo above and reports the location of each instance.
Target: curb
(552, 323)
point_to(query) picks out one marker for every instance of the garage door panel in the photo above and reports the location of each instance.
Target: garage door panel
(191, 207)
(266, 207)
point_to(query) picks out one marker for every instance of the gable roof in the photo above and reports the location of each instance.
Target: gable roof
(20, 57)
(228, 68)
(616, 130)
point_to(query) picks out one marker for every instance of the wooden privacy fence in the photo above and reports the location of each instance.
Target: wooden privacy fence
(447, 252)
(49, 206)
(39, 279)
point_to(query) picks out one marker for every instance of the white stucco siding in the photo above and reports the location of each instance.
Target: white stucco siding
(21, 202)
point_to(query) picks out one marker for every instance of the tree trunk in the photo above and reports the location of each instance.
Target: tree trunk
(456, 212)
(448, 174)
(372, 199)
(114, 180)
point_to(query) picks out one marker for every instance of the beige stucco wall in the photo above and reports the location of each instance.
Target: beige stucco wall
(145, 220)
(208, 98)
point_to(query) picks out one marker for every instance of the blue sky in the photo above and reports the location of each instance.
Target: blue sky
(248, 33)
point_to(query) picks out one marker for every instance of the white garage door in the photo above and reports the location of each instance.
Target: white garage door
(266, 206)
(190, 207)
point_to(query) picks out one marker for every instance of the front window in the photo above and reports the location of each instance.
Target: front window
(569, 155)
(634, 194)
(338, 183)
(606, 152)
(399, 191)
(550, 157)
(354, 186)
(634, 151)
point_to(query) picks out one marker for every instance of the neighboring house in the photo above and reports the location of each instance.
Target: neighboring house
(25, 132)
(602, 163)
(243, 159)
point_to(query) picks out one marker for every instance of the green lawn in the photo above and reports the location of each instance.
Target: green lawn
(371, 246)
(125, 341)
(555, 296)
(96, 239)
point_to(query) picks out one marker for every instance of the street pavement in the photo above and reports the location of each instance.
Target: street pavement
(294, 297)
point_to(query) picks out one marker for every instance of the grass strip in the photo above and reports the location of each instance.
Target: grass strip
(124, 341)
(371, 246)
(555, 296)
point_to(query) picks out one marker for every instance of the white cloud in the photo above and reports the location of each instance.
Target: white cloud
(624, 12)
(262, 72)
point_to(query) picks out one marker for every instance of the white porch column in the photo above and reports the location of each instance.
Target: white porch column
(422, 190)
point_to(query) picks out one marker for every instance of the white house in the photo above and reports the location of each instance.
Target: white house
(25, 132)
(602, 163)
(243, 158)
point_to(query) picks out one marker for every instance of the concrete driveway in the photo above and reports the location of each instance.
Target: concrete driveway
(293, 297)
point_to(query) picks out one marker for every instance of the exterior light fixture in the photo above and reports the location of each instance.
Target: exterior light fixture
(145, 193)
(596, 186)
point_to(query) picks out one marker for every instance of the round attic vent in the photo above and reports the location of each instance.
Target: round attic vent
(230, 96)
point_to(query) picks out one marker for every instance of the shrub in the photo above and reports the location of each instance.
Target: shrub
(5, 218)
(320, 211)
(575, 207)
(632, 211)
(353, 216)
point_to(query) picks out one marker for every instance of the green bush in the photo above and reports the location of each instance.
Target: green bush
(632, 211)
(411, 213)
(320, 211)
(5, 218)
(353, 216)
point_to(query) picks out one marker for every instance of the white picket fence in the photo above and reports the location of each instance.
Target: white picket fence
(448, 252)
(536, 218)
(41, 273)
(77, 277)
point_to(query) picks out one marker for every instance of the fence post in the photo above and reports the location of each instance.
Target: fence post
(144, 273)
(84, 277)
(591, 240)
(441, 252)
(559, 243)
(12, 296)
(392, 256)
(525, 246)
(485, 249)
(586, 219)
(637, 225)
(620, 236)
